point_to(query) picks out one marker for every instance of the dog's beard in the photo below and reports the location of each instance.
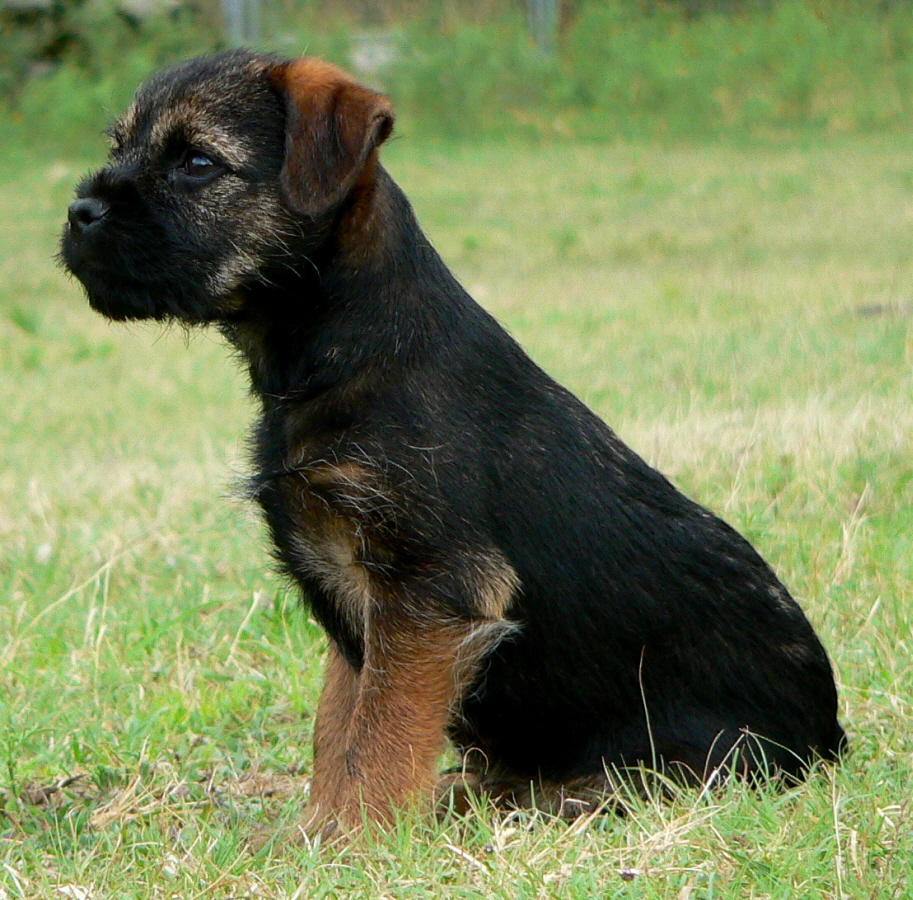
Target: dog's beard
(124, 300)
(123, 283)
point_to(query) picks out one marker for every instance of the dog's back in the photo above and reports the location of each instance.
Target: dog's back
(655, 633)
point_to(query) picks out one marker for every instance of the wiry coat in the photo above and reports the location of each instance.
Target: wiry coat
(488, 559)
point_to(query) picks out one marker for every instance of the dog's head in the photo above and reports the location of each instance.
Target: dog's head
(221, 168)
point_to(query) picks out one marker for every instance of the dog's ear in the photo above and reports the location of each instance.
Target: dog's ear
(333, 124)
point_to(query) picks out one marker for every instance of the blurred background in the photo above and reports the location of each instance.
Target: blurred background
(571, 68)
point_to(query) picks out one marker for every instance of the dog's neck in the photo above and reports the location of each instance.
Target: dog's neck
(368, 300)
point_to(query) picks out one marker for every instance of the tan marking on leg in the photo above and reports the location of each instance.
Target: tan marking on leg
(381, 750)
(334, 717)
(397, 731)
(332, 557)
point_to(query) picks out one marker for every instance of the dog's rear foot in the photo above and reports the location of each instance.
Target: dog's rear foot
(458, 792)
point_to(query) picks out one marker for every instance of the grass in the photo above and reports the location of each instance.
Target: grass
(742, 317)
(639, 68)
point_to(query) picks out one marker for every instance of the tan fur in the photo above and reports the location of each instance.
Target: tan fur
(496, 583)
(480, 640)
(395, 729)
(309, 76)
(333, 558)
(334, 126)
(333, 501)
(380, 731)
(331, 734)
(328, 497)
(345, 476)
(202, 131)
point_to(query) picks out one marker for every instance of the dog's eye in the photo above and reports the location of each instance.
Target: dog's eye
(199, 166)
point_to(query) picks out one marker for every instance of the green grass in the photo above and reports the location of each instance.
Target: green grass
(639, 68)
(743, 318)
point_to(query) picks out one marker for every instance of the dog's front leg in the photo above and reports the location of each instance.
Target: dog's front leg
(381, 731)
(331, 736)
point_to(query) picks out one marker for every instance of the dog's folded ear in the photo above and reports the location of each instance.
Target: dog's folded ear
(332, 127)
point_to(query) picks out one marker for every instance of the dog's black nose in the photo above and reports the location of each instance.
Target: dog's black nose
(86, 212)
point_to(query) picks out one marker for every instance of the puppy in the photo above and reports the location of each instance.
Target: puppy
(490, 562)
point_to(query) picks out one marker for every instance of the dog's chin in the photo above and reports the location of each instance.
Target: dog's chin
(125, 306)
(127, 294)
(127, 302)
(125, 299)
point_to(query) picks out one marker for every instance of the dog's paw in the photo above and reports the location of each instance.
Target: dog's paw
(457, 793)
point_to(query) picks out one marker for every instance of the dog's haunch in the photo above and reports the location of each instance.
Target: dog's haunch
(491, 564)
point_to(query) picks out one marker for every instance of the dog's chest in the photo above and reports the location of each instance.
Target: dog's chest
(327, 523)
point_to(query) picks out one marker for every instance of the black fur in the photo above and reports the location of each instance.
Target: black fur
(647, 630)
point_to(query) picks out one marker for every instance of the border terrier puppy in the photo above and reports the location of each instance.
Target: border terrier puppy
(490, 562)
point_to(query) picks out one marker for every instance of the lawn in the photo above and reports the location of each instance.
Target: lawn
(743, 317)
